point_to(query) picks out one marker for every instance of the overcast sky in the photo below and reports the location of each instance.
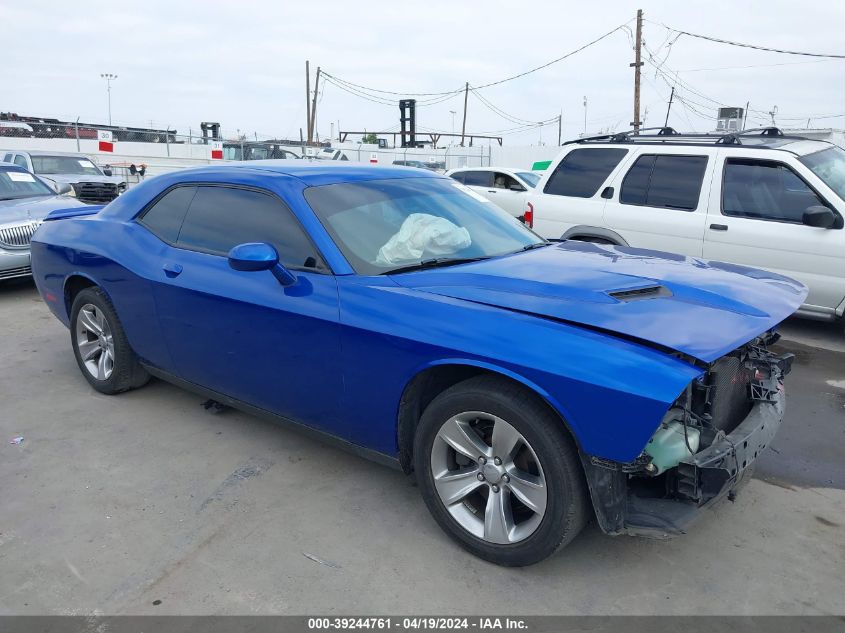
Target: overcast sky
(242, 63)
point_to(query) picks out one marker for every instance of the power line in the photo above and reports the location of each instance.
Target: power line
(392, 92)
(554, 61)
(380, 99)
(508, 117)
(769, 49)
(328, 78)
(363, 88)
(699, 70)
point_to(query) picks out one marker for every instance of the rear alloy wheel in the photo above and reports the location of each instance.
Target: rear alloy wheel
(95, 342)
(100, 346)
(499, 473)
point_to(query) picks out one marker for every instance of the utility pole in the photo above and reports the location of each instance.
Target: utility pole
(314, 107)
(559, 126)
(745, 118)
(637, 65)
(464, 125)
(307, 101)
(669, 108)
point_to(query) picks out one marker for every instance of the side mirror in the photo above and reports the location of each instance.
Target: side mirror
(819, 216)
(63, 188)
(255, 256)
(107, 171)
(516, 187)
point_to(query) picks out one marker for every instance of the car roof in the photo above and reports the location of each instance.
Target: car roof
(494, 168)
(317, 172)
(44, 152)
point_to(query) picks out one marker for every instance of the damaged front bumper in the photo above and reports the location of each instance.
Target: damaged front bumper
(699, 481)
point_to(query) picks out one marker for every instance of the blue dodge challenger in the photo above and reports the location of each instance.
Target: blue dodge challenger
(529, 385)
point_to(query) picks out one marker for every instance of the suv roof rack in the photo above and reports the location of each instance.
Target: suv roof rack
(733, 137)
(621, 137)
(670, 135)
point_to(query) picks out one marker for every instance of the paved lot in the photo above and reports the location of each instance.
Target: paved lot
(113, 503)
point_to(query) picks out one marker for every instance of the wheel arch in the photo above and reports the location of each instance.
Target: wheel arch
(583, 230)
(74, 284)
(431, 380)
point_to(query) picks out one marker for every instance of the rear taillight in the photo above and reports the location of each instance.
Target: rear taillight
(528, 218)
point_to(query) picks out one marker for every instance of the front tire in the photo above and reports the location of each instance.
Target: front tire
(100, 345)
(499, 473)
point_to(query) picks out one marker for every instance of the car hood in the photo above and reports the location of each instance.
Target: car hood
(72, 179)
(35, 208)
(701, 308)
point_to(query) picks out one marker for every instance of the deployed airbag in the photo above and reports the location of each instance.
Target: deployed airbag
(423, 233)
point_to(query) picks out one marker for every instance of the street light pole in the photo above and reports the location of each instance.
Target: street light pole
(109, 77)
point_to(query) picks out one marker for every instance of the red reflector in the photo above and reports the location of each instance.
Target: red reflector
(50, 297)
(528, 218)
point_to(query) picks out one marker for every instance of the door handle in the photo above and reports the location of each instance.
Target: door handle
(491, 191)
(172, 270)
(719, 227)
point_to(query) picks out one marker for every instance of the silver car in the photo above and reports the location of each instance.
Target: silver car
(87, 181)
(24, 202)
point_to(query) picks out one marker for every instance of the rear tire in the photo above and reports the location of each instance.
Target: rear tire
(499, 472)
(100, 345)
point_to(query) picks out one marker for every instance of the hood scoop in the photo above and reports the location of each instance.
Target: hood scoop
(638, 294)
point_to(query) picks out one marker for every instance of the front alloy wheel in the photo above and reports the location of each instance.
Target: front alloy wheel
(488, 477)
(499, 472)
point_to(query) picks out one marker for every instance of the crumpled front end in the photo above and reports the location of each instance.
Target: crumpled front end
(705, 448)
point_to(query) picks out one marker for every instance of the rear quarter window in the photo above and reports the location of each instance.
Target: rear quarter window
(164, 218)
(583, 171)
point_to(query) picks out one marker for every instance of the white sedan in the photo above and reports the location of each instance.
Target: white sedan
(503, 186)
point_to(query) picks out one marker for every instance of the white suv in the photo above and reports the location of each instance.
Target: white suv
(756, 198)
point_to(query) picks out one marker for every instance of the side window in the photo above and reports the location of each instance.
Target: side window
(765, 190)
(503, 181)
(478, 178)
(664, 181)
(582, 171)
(20, 161)
(7, 158)
(459, 176)
(164, 218)
(222, 217)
